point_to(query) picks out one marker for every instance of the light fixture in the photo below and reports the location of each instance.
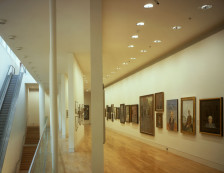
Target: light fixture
(19, 48)
(125, 63)
(157, 41)
(206, 7)
(134, 36)
(143, 51)
(12, 37)
(132, 58)
(130, 46)
(3, 21)
(112, 72)
(118, 68)
(176, 27)
(149, 5)
(140, 24)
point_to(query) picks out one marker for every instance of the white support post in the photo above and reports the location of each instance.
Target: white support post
(96, 86)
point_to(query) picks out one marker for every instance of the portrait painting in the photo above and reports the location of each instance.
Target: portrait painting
(127, 113)
(159, 120)
(86, 112)
(211, 116)
(172, 115)
(159, 101)
(76, 107)
(188, 106)
(118, 113)
(112, 112)
(122, 113)
(147, 125)
(134, 113)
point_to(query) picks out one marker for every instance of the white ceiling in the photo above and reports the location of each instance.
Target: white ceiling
(29, 22)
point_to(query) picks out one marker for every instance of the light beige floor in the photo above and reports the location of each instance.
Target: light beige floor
(124, 155)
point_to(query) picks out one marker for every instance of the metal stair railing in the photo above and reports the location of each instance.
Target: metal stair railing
(11, 114)
(6, 84)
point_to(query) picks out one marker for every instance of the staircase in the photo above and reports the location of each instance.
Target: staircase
(4, 112)
(29, 148)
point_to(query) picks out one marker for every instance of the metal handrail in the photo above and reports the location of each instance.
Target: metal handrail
(10, 119)
(13, 70)
(6, 84)
(38, 148)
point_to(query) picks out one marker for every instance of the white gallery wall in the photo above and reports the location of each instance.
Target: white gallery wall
(195, 71)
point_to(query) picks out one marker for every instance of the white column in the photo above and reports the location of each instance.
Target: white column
(71, 103)
(63, 107)
(59, 107)
(96, 86)
(41, 108)
(53, 86)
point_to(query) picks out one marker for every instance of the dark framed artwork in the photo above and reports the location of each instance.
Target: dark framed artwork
(159, 120)
(147, 114)
(76, 107)
(86, 112)
(188, 120)
(134, 113)
(211, 116)
(122, 113)
(108, 112)
(118, 113)
(159, 101)
(112, 112)
(127, 113)
(172, 115)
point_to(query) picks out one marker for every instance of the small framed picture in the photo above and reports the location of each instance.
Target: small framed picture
(211, 116)
(159, 120)
(127, 113)
(188, 125)
(172, 115)
(122, 113)
(159, 101)
(134, 113)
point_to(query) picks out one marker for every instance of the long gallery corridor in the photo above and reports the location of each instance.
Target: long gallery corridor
(124, 155)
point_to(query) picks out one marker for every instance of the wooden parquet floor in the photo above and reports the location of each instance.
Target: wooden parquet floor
(125, 155)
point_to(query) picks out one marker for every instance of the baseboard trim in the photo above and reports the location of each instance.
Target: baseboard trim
(200, 160)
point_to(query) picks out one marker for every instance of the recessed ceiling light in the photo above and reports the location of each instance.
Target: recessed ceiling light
(131, 46)
(112, 72)
(157, 41)
(206, 7)
(134, 36)
(143, 51)
(149, 5)
(12, 37)
(19, 48)
(140, 24)
(125, 63)
(176, 27)
(118, 68)
(132, 58)
(3, 21)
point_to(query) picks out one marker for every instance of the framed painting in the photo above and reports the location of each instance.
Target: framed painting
(108, 112)
(172, 115)
(86, 112)
(159, 120)
(188, 110)
(134, 113)
(112, 112)
(159, 101)
(147, 125)
(76, 107)
(122, 113)
(211, 116)
(127, 113)
(118, 113)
